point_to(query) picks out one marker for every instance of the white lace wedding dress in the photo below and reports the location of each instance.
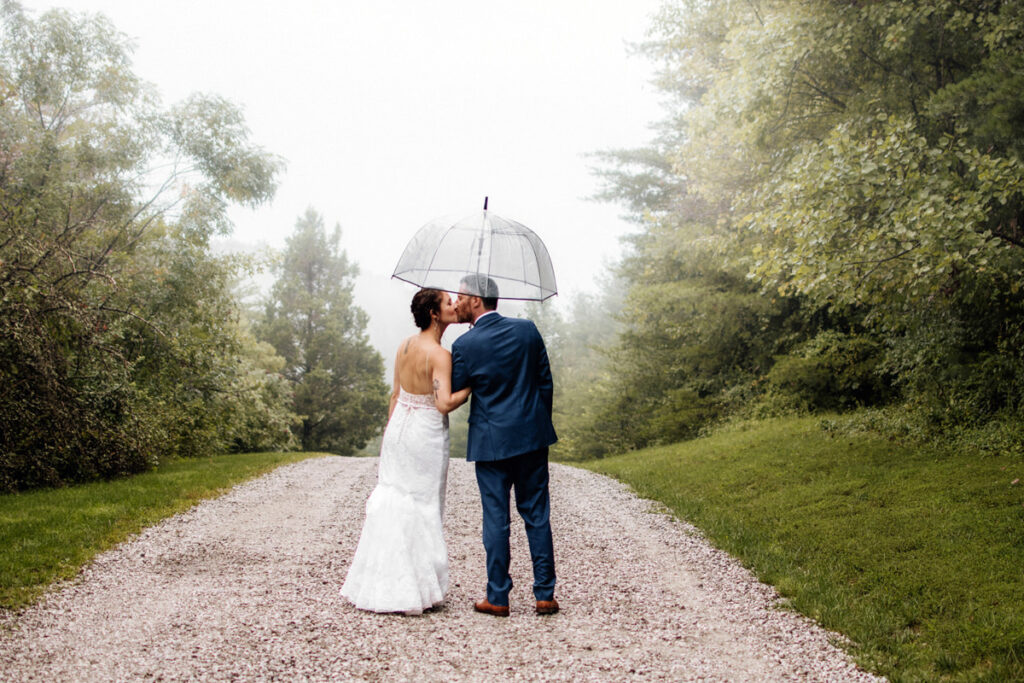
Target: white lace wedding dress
(401, 562)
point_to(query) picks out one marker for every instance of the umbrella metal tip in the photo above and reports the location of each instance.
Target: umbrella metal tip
(485, 203)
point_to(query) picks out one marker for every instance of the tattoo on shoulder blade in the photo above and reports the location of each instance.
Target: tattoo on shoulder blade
(406, 350)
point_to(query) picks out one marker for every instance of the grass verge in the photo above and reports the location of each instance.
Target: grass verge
(915, 553)
(48, 534)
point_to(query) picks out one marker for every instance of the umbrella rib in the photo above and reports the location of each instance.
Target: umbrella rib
(490, 255)
(522, 260)
(433, 256)
(480, 245)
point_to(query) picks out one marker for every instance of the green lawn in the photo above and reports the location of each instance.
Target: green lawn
(916, 554)
(49, 534)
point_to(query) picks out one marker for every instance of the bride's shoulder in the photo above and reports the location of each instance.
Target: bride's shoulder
(438, 351)
(413, 347)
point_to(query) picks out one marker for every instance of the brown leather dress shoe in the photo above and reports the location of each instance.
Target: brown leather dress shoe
(488, 608)
(547, 606)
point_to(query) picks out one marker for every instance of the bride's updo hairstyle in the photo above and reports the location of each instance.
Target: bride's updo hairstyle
(425, 302)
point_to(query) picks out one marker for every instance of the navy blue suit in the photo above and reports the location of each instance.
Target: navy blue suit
(504, 361)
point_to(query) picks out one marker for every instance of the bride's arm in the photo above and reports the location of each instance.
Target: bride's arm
(395, 384)
(444, 399)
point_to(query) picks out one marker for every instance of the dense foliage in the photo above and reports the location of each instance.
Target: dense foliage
(313, 323)
(120, 341)
(830, 216)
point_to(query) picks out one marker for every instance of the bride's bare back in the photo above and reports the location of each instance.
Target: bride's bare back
(413, 364)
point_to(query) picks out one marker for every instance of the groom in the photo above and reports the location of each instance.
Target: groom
(504, 362)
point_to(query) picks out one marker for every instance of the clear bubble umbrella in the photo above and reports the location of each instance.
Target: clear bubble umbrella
(447, 249)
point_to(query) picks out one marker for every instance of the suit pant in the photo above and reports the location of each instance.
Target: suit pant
(527, 475)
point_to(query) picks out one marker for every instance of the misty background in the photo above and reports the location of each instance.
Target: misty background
(389, 114)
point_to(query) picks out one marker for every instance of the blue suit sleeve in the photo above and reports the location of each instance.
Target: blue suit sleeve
(544, 382)
(460, 375)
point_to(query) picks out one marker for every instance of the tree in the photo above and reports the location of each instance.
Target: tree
(105, 196)
(700, 336)
(874, 157)
(313, 323)
(219, 389)
(857, 164)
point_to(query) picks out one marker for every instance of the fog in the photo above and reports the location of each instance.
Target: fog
(393, 112)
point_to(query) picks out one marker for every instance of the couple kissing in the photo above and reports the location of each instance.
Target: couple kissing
(401, 561)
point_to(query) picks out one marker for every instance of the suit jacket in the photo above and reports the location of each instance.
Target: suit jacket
(505, 363)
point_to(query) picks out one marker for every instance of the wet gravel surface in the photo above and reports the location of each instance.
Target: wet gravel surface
(245, 588)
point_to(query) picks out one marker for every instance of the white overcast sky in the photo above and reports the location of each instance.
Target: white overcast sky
(391, 112)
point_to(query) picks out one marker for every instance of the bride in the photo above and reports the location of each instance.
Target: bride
(401, 562)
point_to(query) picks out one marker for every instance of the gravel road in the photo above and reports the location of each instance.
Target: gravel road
(245, 588)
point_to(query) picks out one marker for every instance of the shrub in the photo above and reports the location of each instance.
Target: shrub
(832, 371)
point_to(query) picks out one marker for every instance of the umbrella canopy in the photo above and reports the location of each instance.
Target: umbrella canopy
(447, 249)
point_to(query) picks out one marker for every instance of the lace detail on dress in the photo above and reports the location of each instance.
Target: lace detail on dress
(416, 400)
